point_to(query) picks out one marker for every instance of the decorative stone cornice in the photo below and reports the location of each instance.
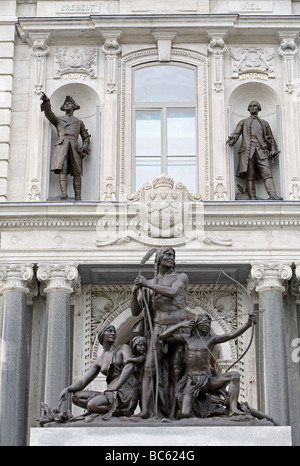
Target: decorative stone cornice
(15, 277)
(270, 275)
(58, 277)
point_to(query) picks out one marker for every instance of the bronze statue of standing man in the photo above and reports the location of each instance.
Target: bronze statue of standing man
(68, 155)
(166, 296)
(258, 147)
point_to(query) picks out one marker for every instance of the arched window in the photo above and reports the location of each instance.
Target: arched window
(164, 111)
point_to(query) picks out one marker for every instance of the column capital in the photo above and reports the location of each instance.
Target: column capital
(297, 270)
(15, 277)
(58, 277)
(271, 275)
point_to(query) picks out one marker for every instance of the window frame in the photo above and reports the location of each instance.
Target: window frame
(163, 108)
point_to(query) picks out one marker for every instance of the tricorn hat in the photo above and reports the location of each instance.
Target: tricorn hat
(70, 99)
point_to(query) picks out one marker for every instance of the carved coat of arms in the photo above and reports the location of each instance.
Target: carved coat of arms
(159, 213)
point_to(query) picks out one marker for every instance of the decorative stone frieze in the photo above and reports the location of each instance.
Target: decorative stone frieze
(15, 277)
(58, 277)
(271, 276)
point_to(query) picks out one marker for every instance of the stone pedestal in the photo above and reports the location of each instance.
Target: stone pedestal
(15, 341)
(163, 436)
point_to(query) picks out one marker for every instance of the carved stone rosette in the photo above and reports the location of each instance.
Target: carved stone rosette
(271, 276)
(15, 278)
(58, 277)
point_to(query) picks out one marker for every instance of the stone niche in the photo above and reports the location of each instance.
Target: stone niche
(271, 112)
(89, 113)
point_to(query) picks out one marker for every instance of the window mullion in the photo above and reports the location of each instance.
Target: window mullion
(164, 153)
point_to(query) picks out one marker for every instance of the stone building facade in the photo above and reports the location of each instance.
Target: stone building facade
(161, 85)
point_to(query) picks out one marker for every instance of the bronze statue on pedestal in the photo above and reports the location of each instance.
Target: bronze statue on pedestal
(68, 155)
(258, 148)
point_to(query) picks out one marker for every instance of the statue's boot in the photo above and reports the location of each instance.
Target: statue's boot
(77, 187)
(251, 189)
(270, 187)
(63, 182)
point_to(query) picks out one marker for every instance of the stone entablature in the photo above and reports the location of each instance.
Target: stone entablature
(232, 232)
(89, 7)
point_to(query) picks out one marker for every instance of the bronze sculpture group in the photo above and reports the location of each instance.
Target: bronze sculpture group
(165, 372)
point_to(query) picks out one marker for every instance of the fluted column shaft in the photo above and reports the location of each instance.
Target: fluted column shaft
(269, 279)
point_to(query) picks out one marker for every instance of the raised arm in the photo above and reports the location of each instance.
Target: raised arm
(46, 108)
(170, 333)
(236, 333)
(136, 301)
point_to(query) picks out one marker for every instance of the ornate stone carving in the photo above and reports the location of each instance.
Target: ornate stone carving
(271, 275)
(217, 48)
(112, 49)
(39, 51)
(257, 59)
(15, 277)
(58, 277)
(162, 211)
(288, 50)
(78, 60)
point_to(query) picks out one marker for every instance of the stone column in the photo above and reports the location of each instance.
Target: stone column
(58, 280)
(111, 49)
(14, 354)
(217, 48)
(269, 278)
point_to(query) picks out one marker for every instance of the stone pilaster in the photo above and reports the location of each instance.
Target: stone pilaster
(288, 50)
(15, 342)
(39, 51)
(270, 278)
(217, 48)
(58, 280)
(111, 49)
(7, 46)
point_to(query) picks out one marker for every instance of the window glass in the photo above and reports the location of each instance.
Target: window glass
(181, 131)
(183, 170)
(164, 83)
(147, 169)
(148, 133)
(164, 111)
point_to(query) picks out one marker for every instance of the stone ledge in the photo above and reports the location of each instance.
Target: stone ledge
(162, 436)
